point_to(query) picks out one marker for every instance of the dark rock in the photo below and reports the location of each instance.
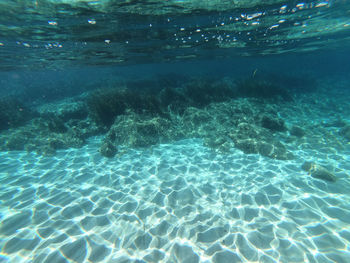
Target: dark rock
(318, 171)
(297, 131)
(193, 117)
(202, 92)
(280, 152)
(225, 147)
(65, 110)
(345, 132)
(56, 144)
(274, 150)
(306, 166)
(174, 100)
(246, 130)
(15, 143)
(134, 117)
(77, 111)
(107, 149)
(214, 142)
(37, 136)
(72, 141)
(266, 149)
(324, 174)
(273, 124)
(46, 150)
(56, 125)
(137, 130)
(247, 146)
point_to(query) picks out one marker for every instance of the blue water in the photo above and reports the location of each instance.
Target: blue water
(174, 131)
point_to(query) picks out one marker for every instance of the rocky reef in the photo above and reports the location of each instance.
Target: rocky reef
(225, 113)
(319, 171)
(53, 126)
(217, 111)
(236, 123)
(345, 132)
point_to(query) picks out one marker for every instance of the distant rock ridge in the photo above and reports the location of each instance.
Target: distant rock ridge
(224, 113)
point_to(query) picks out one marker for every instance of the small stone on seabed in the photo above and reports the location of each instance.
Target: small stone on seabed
(108, 150)
(318, 171)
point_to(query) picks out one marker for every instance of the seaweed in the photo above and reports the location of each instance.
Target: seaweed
(106, 104)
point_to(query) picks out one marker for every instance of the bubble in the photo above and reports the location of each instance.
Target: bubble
(273, 26)
(52, 23)
(322, 4)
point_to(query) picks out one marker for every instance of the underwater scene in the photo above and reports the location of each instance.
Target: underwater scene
(177, 131)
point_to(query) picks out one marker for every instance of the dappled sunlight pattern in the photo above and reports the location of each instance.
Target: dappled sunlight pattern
(176, 202)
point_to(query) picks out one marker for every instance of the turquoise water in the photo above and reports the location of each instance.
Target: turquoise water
(174, 131)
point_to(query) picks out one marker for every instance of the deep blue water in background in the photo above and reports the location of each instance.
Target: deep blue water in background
(92, 42)
(67, 81)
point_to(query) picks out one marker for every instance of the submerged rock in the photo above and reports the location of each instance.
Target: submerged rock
(272, 123)
(210, 109)
(253, 139)
(297, 131)
(64, 110)
(45, 137)
(345, 132)
(248, 146)
(107, 149)
(137, 130)
(56, 125)
(318, 171)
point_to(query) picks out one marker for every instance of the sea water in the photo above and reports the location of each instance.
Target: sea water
(174, 131)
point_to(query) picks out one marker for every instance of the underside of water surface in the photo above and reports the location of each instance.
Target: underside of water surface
(38, 32)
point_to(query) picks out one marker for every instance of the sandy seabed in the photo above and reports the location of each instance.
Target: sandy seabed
(178, 202)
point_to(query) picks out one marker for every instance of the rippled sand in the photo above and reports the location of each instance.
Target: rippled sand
(180, 202)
